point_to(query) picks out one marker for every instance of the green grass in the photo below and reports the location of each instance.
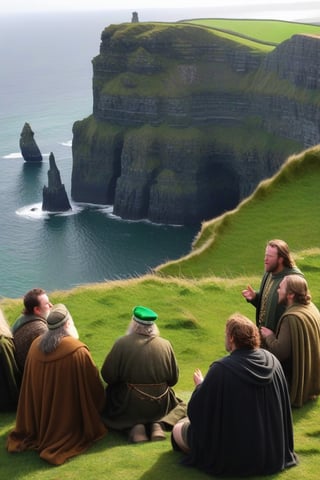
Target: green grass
(286, 206)
(269, 31)
(192, 316)
(193, 298)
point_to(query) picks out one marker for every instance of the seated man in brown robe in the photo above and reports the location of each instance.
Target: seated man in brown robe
(296, 342)
(140, 370)
(61, 395)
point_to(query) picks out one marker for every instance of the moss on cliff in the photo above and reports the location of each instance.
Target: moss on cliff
(187, 116)
(269, 83)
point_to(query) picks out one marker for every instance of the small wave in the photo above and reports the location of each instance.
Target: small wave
(74, 210)
(35, 212)
(66, 144)
(13, 155)
(108, 209)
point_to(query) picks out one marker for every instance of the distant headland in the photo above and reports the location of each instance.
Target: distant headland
(187, 121)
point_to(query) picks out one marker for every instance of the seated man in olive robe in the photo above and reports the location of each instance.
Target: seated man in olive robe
(296, 342)
(10, 376)
(140, 371)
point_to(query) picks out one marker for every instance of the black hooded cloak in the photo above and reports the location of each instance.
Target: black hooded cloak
(241, 421)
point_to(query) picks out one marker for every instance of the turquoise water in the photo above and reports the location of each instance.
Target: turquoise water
(46, 80)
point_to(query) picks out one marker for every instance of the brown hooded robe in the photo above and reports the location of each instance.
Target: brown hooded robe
(60, 402)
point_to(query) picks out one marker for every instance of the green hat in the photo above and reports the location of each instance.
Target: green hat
(144, 315)
(58, 316)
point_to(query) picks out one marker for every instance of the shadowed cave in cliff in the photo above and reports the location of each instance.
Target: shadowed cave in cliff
(213, 190)
(219, 191)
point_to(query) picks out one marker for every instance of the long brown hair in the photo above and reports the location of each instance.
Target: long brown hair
(283, 251)
(298, 286)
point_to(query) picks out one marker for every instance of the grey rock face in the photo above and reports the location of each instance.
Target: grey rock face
(54, 196)
(186, 123)
(29, 149)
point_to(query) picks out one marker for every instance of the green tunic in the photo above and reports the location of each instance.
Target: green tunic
(268, 310)
(140, 371)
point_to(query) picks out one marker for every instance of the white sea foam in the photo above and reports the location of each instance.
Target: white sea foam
(108, 209)
(13, 155)
(35, 212)
(66, 144)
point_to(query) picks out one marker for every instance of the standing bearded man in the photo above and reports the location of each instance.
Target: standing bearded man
(278, 263)
(61, 396)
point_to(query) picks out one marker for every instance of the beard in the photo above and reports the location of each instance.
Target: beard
(282, 300)
(45, 313)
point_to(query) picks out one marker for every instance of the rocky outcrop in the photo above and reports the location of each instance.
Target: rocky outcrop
(54, 196)
(297, 60)
(29, 149)
(187, 122)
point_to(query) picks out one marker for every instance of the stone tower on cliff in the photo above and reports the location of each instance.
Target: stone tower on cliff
(135, 18)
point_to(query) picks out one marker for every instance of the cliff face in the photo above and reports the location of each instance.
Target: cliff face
(186, 123)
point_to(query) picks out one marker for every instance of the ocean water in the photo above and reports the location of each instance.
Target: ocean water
(45, 80)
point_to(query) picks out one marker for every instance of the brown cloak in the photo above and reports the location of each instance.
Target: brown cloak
(60, 402)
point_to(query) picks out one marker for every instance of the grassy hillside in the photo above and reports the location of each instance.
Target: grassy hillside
(266, 31)
(193, 306)
(286, 206)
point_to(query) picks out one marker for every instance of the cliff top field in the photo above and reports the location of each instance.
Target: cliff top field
(270, 32)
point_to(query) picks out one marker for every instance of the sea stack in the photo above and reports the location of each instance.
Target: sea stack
(29, 149)
(54, 196)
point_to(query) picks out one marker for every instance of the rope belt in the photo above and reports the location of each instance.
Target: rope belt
(138, 386)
